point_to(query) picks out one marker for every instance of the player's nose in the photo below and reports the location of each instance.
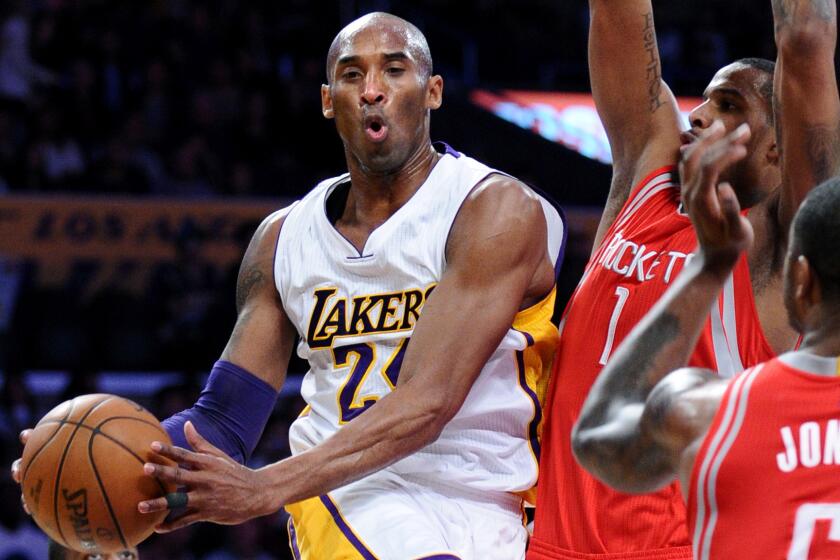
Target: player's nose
(374, 90)
(700, 117)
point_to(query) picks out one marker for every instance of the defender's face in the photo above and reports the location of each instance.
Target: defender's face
(734, 97)
(380, 98)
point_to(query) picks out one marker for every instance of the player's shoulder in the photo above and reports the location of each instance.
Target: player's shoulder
(504, 194)
(266, 234)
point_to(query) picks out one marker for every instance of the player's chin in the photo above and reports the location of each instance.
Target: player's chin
(382, 161)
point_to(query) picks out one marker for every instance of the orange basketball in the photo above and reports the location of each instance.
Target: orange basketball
(82, 473)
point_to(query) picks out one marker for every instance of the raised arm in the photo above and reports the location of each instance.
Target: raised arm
(496, 262)
(628, 434)
(807, 106)
(637, 108)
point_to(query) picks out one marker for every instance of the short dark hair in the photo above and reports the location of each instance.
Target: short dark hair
(766, 87)
(816, 235)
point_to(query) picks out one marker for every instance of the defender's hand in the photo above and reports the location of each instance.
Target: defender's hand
(212, 487)
(722, 232)
(16, 473)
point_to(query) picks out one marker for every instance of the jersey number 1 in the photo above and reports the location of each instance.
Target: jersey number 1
(621, 292)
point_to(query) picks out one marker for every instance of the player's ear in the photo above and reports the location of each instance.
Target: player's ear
(773, 154)
(434, 92)
(326, 102)
(807, 289)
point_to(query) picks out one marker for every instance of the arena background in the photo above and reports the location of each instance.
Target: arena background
(150, 138)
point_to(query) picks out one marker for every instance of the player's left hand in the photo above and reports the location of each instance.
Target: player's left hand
(212, 486)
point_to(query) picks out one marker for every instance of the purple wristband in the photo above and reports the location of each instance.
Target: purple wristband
(231, 412)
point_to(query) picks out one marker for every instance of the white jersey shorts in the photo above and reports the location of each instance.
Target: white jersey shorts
(387, 517)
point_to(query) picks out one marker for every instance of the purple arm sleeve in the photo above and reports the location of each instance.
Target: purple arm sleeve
(231, 412)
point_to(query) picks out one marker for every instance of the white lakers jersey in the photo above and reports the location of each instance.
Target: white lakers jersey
(355, 312)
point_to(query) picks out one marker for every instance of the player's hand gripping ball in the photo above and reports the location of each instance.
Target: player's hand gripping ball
(82, 473)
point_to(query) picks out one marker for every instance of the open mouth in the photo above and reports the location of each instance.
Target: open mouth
(375, 128)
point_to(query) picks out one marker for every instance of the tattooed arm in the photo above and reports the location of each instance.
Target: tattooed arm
(263, 336)
(637, 108)
(634, 426)
(807, 106)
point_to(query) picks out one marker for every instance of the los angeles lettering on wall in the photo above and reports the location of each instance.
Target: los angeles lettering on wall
(59, 228)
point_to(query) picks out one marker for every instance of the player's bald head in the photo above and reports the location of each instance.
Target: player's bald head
(415, 42)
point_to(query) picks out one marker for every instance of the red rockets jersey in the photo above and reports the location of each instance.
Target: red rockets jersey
(648, 244)
(764, 482)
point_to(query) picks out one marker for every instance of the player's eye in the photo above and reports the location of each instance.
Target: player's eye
(94, 557)
(351, 74)
(126, 555)
(395, 70)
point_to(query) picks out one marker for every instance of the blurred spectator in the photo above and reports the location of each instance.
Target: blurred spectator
(18, 72)
(19, 538)
(17, 407)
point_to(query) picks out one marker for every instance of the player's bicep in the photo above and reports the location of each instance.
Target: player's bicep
(495, 252)
(263, 337)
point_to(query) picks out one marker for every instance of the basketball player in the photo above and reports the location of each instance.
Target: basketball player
(405, 450)
(645, 239)
(758, 455)
(58, 552)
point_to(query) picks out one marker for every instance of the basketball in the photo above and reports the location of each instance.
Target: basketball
(82, 473)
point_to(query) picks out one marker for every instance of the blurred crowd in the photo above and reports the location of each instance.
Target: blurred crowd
(190, 98)
(213, 98)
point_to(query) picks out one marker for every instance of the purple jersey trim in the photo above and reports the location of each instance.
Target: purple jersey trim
(345, 528)
(293, 540)
(532, 427)
(444, 148)
(528, 337)
(562, 253)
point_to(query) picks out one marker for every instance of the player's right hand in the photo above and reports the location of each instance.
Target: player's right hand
(722, 232)
(16, 474)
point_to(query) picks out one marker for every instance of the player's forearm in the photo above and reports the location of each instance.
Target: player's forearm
(806, 103)
(397, 426)
(805, 27)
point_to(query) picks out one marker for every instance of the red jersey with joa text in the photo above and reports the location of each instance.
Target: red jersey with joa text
(765, 480)
(578, 517)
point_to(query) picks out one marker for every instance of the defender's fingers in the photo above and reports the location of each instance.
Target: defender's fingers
(25, 507)
(695, 151)
(730, 208)
(24, 435)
